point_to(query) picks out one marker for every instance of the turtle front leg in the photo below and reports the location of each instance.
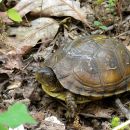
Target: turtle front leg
(71, 105)
(72, 112)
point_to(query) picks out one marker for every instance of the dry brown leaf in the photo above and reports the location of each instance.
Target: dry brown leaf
(25, 6)
(14, 85)
(43, 29)
(4, 17)
(95, 110)
(27, 37)
(13, 60)
(53, 8)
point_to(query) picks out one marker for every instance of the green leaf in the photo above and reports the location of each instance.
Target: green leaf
(100, 25)
(2, 127)
(97, 23)
(115, 121)
(112, 3)
(16, 115)
(103, 27)
(0, 1)
(14, 15)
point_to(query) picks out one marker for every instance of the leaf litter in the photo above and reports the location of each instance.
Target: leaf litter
(16, 49)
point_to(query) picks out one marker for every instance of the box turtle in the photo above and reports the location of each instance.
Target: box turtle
(89, 68)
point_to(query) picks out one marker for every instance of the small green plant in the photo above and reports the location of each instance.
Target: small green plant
(112, 3)
(100, 25)
(2, 127)
(14, 15)
(16, 115)
(115, 121)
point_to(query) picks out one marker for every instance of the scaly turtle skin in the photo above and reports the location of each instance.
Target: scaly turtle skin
(89, 68)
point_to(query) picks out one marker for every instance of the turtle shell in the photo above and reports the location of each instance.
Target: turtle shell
(96, 66)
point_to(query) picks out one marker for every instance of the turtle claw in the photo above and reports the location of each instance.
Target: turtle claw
(69, 115)
(76, 123)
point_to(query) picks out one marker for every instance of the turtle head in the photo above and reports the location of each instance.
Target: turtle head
(46, 75)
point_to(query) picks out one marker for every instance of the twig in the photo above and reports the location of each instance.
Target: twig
(122, 125)
(122, 108)
(126, 32)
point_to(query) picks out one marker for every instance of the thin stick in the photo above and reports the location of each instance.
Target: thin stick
(122, 125)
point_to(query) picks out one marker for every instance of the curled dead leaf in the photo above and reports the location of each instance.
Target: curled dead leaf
(53, 8)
